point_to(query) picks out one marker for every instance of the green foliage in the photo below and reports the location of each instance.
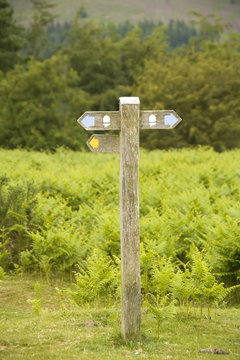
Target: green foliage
(106, 63)
(210, 27)
(45, 265)
(37, 301)
(206, 286)
(189, 199)
(223, 245)
(194, 70)
(161, 309)
(11, 37)
(209, 108)
(179, 33)
(26, 259)
(162, 275)
(93, 56)
(183, 287)
(37, 103)
(17, 204)
(59, 247)
(183, 284)
(37, 32)
(2, 273)
(136, 49)
(97, 280)
(56, 34)
(82, 13)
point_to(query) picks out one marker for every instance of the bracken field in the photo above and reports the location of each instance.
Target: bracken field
(60, 252)
(57, 210)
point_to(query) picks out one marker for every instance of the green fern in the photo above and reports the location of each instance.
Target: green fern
(37, 301)
(97, 280)
(208, 290)
(161, 309)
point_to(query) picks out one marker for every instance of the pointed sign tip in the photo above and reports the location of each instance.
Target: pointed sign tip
(87, 120)
(94, 142)
(170, 120)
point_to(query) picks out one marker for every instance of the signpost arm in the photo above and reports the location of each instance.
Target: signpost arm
(129, 217)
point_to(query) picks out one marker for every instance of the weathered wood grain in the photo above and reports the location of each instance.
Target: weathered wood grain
(129, 120)
(111, 120)
(129, 218)
(98, 122)
(104, 143)
(163, 119)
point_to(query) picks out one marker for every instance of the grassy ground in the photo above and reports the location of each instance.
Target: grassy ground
(64, 331)
(133, 10)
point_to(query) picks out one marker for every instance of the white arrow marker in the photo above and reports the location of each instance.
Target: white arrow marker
(88, 121)
(152, 120)
(170, 120)
(106, 121)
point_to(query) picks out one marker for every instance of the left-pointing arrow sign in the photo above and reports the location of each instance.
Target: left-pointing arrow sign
(100, 120)
(104, 143)
(88, 121)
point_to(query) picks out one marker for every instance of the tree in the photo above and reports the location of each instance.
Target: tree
(135, 51)
(11, 39)
(40, 104)
(93, 56)
(179, 33)
(210, 27)
(37, 34)
(203, 87)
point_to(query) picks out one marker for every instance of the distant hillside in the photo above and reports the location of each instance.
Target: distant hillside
(137, 10)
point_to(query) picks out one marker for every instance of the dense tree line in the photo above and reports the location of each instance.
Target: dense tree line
(51, 73)
(10, 37)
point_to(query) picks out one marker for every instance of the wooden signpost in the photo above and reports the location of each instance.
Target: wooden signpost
(129, 120)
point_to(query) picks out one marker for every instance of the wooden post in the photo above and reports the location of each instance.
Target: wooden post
(128, 119)
(129, 108)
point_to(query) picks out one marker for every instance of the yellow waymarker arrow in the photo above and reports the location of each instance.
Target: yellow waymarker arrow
(94, 143)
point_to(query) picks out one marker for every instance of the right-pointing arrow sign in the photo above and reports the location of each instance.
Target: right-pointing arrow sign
(159, 119)
(170, 120)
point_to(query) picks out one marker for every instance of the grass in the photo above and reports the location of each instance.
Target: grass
(65, 331)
